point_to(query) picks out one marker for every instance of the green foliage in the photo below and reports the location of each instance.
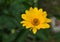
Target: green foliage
(44, 34)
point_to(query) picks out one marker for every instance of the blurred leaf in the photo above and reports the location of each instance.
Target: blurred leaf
(1, 2)
(9, 38)
(57, 35)
(23, 36)
(57, 16)
(16, 37)
(43, 34)
(9, 22)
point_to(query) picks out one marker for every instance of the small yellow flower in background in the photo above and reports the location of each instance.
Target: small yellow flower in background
(35, 19)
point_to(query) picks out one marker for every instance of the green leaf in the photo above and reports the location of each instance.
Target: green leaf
(9, 38)
(43, 34)
(23, 36)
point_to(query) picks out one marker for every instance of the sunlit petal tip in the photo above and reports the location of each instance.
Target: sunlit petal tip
(23, 25)
(45, 12)
(48, 26)
(39, 28)
(22, 22)
(27, 27)
(41, 9)
(35, 8)
(31, 8)
(49, 20)
(23, 15)
(34, 31)
(26, 11)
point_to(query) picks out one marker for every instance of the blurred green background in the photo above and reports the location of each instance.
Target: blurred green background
(10, 16)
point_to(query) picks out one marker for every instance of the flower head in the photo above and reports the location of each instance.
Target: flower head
(35, 19)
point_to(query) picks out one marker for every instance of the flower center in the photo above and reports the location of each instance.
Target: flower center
(35, 22)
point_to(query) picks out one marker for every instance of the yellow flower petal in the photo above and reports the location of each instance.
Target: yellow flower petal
(38, 27)
(27, 24)
(31, 9)
(44, 14)
(44, 26)
(40, 10)
(34, 30)
(29, 13)
(48, 20)
(24, 16)
(26, 12)
(35, 9)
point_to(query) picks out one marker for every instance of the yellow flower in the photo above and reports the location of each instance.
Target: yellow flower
(35, 19)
